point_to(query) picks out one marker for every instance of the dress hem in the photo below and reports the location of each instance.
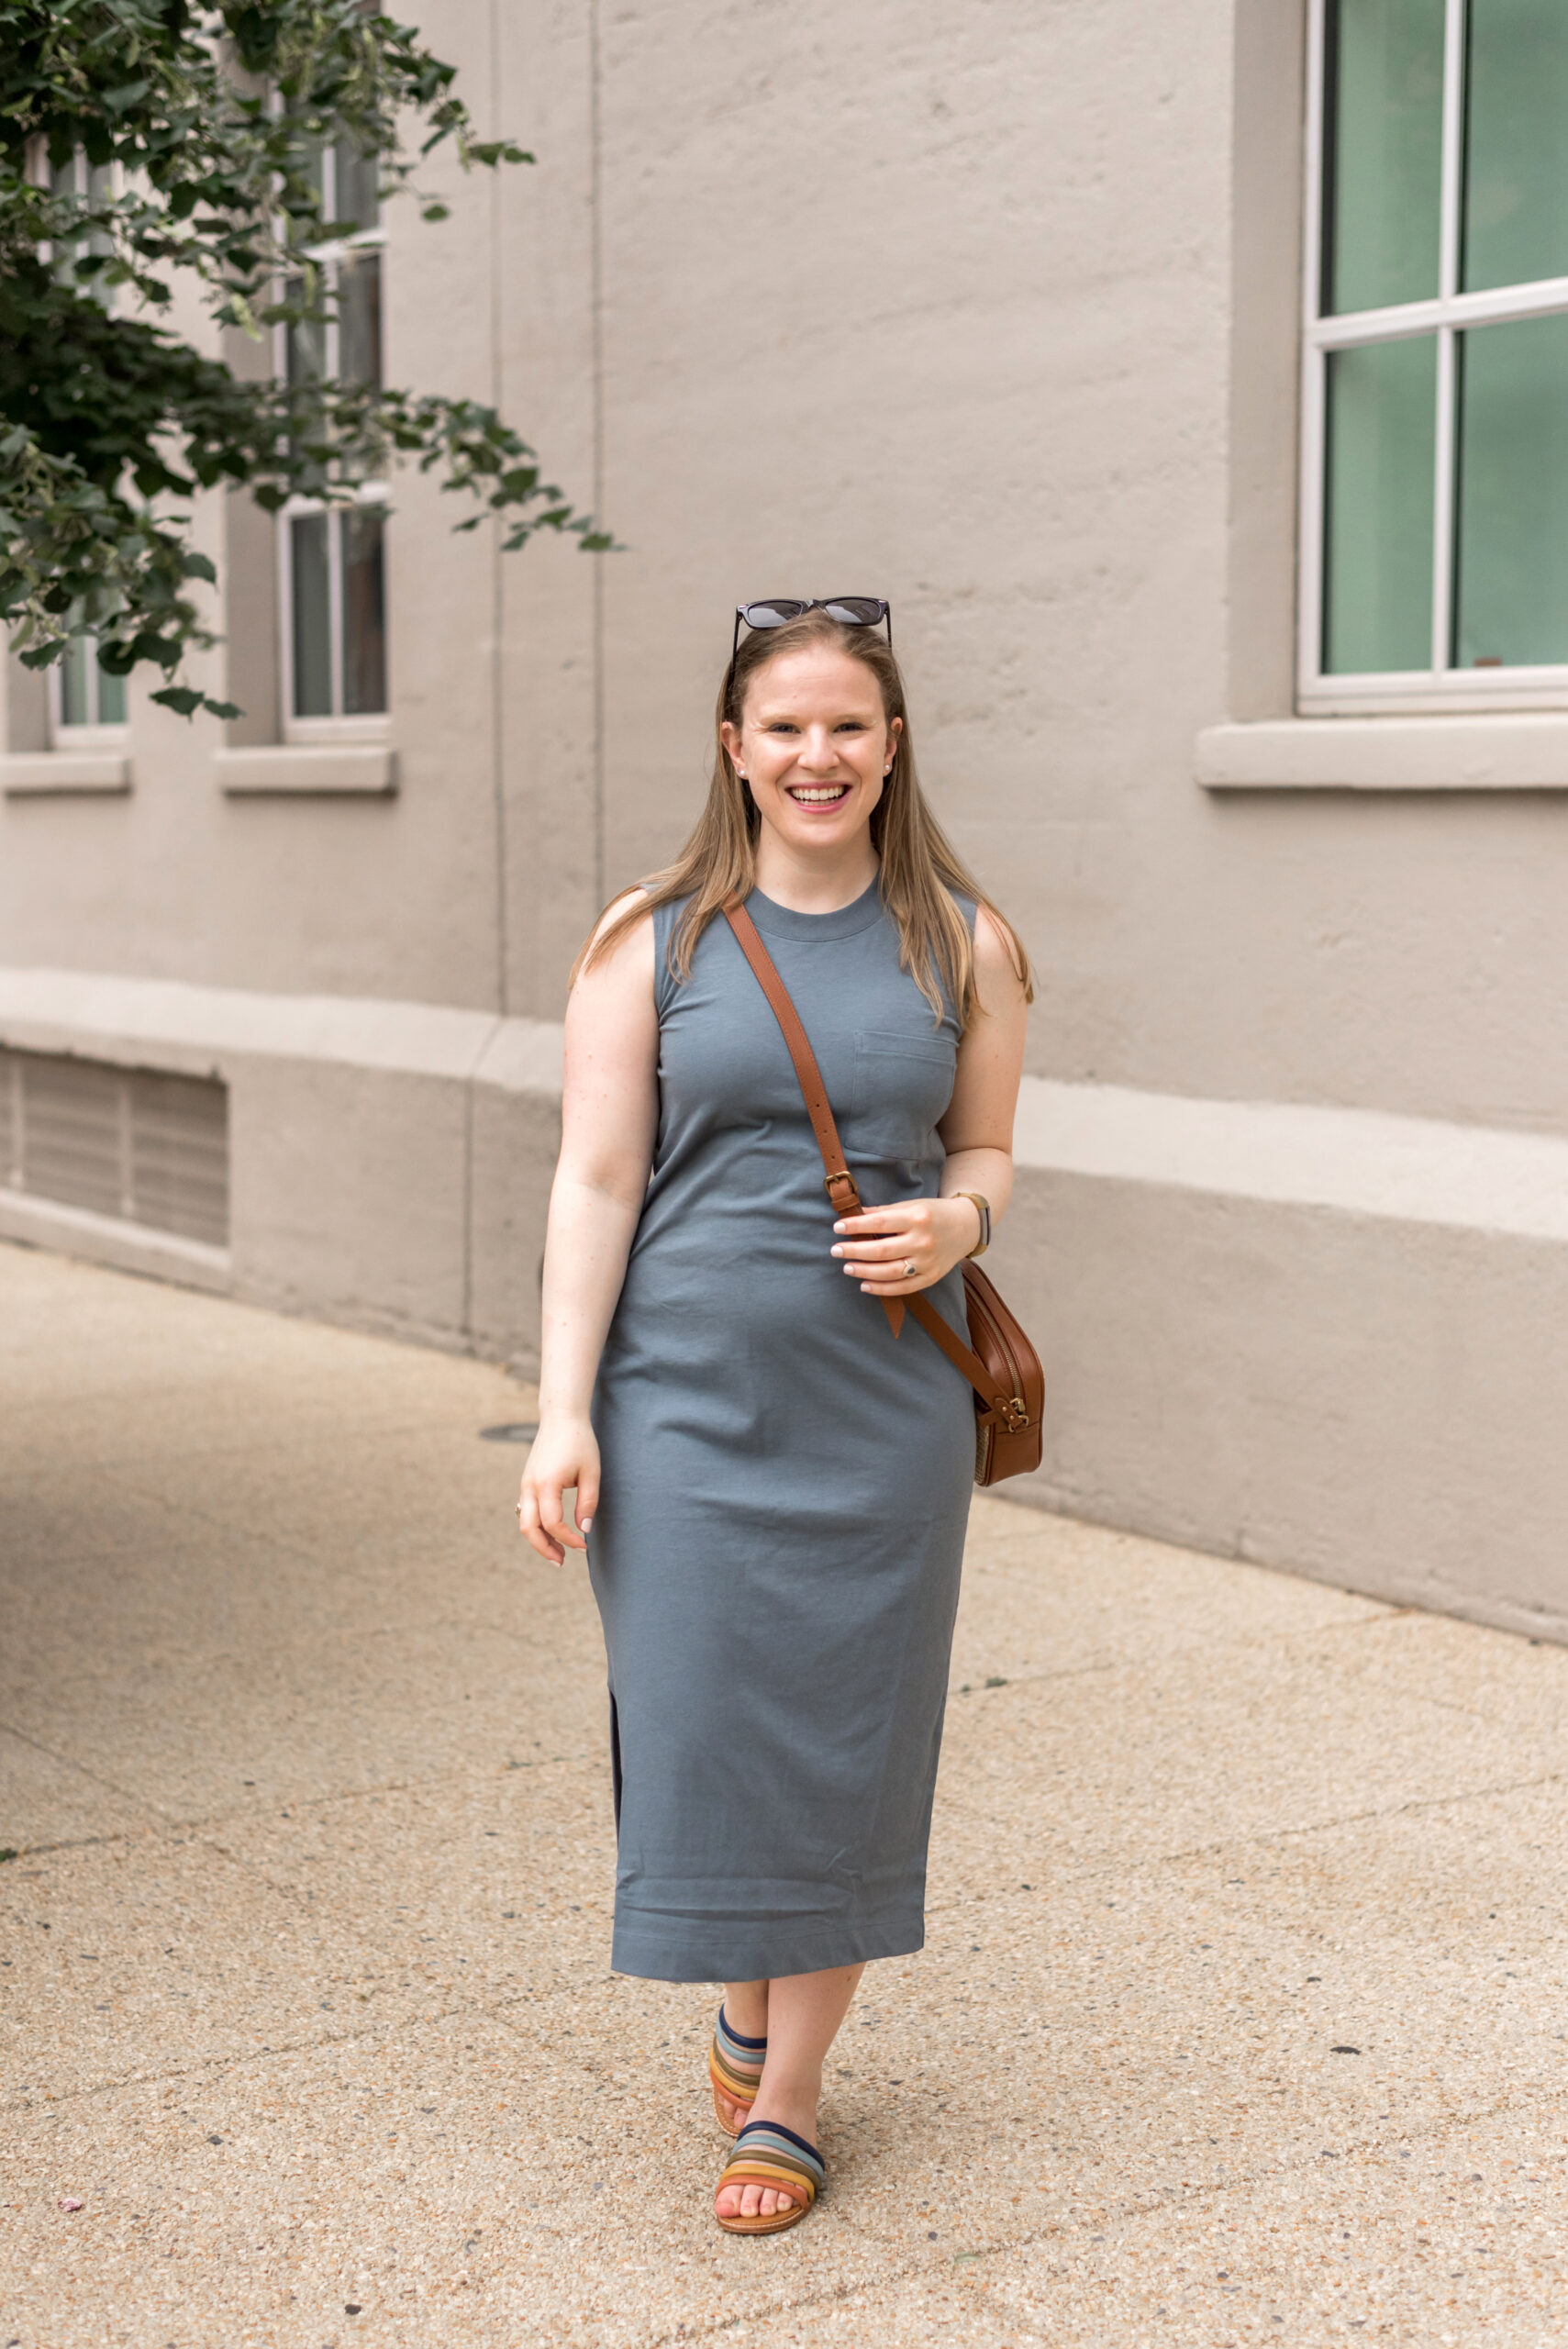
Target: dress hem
(748, 1961)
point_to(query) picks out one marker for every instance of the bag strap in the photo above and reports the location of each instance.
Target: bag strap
(837, 1179)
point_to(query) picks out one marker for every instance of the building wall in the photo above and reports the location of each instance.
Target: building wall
(991, 311)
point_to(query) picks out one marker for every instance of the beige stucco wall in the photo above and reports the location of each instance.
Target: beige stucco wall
(991, 311)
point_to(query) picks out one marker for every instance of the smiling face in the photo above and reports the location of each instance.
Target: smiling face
(815, 745)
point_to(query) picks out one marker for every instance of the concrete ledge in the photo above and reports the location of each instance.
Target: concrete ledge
(104, 1240)
(47, 775)
(198, 1030)
(1522, 751)
(358, 770)
(1359, 1162)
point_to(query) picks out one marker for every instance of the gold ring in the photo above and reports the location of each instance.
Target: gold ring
(909, 1268)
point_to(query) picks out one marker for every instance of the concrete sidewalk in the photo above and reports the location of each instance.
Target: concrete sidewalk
(1242, 2016)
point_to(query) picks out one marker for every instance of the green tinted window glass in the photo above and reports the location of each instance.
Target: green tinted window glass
(356, 205)
(76, 682)
(1516, 154)
(364, 611)
(1377, 517)
(359, 317)
(111, 698)
(312, 617)
(1511, 588)
(1383, 84)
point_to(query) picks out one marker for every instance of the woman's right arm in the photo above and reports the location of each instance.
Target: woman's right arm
(609, 1117)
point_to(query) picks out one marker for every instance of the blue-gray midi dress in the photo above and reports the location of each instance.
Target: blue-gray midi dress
(785, 1486)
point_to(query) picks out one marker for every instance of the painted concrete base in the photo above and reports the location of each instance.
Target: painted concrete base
(1378, 1404)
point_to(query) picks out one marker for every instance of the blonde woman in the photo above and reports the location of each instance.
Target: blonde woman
(772, 1487)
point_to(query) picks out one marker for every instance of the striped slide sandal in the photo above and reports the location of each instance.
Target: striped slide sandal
(767, 2154)
(735, 2067)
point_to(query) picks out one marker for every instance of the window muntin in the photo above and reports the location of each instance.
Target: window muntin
(332, 561)
(1435, 473)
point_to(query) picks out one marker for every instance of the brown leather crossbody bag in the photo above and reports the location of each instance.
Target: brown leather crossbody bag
(998, 1362)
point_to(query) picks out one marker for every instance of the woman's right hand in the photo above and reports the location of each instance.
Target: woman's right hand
(565, 1454)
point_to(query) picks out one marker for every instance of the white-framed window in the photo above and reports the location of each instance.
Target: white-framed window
(86, 706)
(1434, 503)
(333, 562)
(92, 186)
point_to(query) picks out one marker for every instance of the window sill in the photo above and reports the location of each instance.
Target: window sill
(44, 775)
(1521, 751)
(291, 770)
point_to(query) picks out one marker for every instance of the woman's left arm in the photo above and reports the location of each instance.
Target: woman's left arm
(977, 1133)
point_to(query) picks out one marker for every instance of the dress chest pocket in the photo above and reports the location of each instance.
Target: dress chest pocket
(903, 1086)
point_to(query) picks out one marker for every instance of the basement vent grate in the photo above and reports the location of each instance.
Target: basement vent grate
(133, 1143)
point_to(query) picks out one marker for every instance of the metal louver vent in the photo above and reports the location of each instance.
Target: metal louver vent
(132, 1143)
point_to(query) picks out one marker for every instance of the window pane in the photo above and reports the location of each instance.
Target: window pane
(111, 698)
(311, 157)
(1516, 202)
(1511, 598)
(1383, 81)
(358, 318)
(312, 624)
(364, 612)
(307, 342)
(76, 682)
(357, 200)
(1377, 518)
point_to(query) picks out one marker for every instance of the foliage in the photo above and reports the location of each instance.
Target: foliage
(214, 119)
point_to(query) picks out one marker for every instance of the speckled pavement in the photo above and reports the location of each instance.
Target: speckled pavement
(1242, 2018)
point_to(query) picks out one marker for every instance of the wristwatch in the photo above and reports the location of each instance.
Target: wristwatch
(983, 1208)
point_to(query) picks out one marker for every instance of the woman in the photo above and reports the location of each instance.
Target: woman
(778, 1521)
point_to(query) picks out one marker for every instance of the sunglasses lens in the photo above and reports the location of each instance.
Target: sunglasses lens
(773, 613)
(854, 611)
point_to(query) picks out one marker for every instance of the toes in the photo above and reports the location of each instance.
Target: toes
(752, 2201)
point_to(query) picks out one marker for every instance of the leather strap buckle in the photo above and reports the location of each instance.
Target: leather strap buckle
(843, 1175)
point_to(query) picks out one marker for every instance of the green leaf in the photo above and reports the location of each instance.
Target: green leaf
(106, 414)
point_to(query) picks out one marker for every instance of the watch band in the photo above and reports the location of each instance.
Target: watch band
(983, 1208)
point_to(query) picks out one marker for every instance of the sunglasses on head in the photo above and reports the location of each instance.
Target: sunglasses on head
(850, 611)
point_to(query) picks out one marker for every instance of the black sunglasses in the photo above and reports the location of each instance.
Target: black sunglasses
(850, 611)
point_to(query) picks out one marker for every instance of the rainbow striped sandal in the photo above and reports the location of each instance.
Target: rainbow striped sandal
(767, 2154)
(735, 2067)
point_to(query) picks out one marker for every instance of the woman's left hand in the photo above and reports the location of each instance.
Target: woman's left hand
(893, 1252)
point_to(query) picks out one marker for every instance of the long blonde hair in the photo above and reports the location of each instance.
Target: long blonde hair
(918, 869)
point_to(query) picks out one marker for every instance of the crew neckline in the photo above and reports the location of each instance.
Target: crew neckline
(844, 922)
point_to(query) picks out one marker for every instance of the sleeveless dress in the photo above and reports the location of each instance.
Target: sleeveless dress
(785, 1486)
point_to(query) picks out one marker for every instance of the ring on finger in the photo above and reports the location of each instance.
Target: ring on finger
(909, 1268)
